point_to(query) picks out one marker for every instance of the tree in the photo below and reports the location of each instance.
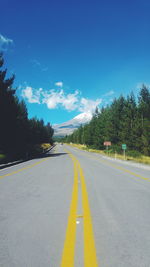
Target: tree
(17, 133)
(144, 119)
(124, 121)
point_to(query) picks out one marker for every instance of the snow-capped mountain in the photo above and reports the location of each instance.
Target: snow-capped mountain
(68, 127)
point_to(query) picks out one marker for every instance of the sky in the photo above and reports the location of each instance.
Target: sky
(71, 56)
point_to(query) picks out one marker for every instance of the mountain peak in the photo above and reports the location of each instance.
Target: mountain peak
(83, 117)
(68, 127)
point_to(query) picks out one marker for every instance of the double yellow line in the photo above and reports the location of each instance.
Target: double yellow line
(90, 259)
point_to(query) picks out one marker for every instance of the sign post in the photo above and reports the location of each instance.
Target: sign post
(107, 144)
(124, 147)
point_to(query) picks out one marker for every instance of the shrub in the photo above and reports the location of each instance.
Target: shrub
(134, 154)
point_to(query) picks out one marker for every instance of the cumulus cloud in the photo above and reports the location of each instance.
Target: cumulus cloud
(88, 105)
(59, 84)
(5, 43)
(54, 98)
(58, 98)
(30, 95)
(70, 102)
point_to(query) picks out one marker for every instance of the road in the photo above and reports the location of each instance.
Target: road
(74, 208)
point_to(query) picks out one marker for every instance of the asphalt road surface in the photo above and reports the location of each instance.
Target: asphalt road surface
(75, 208)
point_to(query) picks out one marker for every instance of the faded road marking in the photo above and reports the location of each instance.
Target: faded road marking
(22, 169)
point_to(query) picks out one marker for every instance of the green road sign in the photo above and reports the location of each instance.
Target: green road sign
(124, 146)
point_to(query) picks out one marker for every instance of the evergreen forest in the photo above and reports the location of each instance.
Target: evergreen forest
(125, 121)
(18, 134)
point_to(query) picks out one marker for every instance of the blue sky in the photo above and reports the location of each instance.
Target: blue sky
(69, 56)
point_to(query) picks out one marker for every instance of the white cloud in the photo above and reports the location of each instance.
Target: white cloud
(58, 98)
(70, 102)
(31, 96)
(4, 43)
(59, 84)
(88, 105)
(110, 93)
(55, 98)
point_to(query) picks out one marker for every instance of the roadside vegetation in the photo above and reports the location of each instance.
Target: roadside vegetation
(20, 137)
(138, 158)
(125, 121)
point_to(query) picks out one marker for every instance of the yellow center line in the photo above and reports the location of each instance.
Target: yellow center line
(22, 169)
(69, 245)
(90, 259)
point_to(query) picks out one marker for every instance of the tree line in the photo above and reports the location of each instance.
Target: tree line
(18, 133)
(125, 121)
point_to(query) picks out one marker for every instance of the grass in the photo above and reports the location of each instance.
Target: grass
(140, 159)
